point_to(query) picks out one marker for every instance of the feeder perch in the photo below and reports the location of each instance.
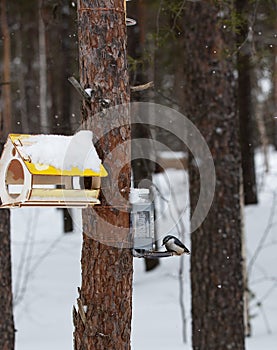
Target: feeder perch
(152, 254)
(25, 181)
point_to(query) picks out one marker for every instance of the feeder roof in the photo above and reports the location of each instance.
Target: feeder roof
(59, 155)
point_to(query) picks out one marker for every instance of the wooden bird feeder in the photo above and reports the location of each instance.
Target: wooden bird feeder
(29, 178)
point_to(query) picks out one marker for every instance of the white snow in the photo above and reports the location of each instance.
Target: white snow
(46, 274)
(89, 91)
(139, 195)
(63, 152)
(172, 155)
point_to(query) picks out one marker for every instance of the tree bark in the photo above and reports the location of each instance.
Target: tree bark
(7, 331)
(103, 320)
(216, 259)
(245, 108)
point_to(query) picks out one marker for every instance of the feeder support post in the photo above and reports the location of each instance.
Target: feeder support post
(105, 295)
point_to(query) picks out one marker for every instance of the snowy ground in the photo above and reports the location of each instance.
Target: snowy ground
(46, 274)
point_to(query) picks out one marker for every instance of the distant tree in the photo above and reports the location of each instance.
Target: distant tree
(216, 259)
(6, 104)
(143, 168)
(245, 103)
(44, 120)
(275, 86)
(7, 331)
(59, 19)
(103, 319)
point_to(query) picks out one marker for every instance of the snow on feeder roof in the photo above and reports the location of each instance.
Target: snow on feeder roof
(58, 154)
(32, 166)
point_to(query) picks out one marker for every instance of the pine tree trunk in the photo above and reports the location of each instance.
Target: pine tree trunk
(216, 259)
(103, 319)
(7, 331)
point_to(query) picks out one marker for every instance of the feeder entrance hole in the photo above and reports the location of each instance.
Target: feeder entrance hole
(15, 178)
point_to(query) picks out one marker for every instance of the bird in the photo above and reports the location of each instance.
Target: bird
(174, 245)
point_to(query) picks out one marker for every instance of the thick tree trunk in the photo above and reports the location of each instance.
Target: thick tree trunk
(216, 259)
(103, 320)
(245, 109)
(7, 331)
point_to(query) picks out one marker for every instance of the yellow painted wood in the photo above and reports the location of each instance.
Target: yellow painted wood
(43, 169)
(64, 195)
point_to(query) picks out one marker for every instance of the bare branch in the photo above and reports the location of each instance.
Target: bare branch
(260, 245)
(23, 273)
(265, 319)
(81, 311)
(180, 227)
(79, 89)
(142, 87)
(178, 14)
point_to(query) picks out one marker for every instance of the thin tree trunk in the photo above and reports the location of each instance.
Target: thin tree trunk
(6, 112)
(263, 134)
(7, 331)
(275, 89)
(67, 220)
(216, 259)
(42, 74)
(31, 59)
(246, 295)
(57, 20)
(246, 130)
(103, 319)
(143, 167)
(245, 109)
(21, 79)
